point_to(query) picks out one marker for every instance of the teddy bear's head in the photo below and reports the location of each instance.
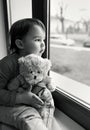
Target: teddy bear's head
(34, 68)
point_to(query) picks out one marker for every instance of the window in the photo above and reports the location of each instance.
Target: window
(69, 53)
(70, 39)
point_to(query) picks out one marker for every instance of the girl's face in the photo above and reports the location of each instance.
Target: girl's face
(33, 42)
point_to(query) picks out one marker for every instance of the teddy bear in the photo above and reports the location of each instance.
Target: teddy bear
(33, 76)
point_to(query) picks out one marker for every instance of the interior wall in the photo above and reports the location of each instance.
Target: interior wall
(3, 50)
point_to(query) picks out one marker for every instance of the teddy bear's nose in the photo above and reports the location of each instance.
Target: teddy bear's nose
(35, 77)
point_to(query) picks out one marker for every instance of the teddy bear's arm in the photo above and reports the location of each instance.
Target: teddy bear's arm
(47, 82)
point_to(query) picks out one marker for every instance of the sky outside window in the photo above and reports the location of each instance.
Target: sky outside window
(73, 9)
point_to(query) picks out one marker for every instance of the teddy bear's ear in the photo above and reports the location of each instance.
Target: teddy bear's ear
(22, 66)
(21, 60)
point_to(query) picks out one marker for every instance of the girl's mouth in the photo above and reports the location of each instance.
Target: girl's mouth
(41, 51)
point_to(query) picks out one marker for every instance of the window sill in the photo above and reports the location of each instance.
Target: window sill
(72, 98)
(75, 90)
(63, 122)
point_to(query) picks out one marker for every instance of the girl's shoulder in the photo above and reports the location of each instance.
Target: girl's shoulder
(10, 61)
(9, 65)
(9, 58)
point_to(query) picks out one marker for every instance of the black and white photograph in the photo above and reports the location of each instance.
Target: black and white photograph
(44, 64)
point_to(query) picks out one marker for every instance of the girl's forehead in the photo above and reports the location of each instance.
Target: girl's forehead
(36, 30)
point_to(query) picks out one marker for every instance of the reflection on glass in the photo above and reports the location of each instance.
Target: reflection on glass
(70, 39)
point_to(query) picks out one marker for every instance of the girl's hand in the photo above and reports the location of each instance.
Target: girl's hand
(46, 95)
(28, 98)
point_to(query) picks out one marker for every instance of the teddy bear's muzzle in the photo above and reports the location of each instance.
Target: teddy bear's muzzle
(35, 77)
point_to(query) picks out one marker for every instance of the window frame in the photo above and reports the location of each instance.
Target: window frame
(6, 24)
(41, 10)
(64, 102)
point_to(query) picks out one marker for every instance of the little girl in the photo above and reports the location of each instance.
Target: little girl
(27, 37)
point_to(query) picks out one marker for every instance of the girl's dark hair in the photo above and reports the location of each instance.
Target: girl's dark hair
(20, 29)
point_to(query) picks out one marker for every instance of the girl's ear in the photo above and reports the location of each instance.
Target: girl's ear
(19, 43)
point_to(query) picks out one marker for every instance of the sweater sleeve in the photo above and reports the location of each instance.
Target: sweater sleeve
(7, 98)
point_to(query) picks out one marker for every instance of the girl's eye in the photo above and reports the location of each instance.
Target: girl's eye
(38, 40)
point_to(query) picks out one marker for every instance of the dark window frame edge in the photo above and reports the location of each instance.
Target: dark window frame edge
(72, 108)
(40, 10)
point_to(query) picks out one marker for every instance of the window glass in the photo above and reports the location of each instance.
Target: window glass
(70, 38)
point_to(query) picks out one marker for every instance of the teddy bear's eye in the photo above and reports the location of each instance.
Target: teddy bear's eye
(38, 72)
(31, 71)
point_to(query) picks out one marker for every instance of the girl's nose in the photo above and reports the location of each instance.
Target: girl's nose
(42, 44)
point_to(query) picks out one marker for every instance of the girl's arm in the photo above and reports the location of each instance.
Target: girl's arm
(10, 98)
(29, 98)
(7, 98)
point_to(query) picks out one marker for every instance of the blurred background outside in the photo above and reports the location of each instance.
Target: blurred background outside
(70, 39)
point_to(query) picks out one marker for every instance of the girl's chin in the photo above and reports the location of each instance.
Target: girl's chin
(40, 54)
